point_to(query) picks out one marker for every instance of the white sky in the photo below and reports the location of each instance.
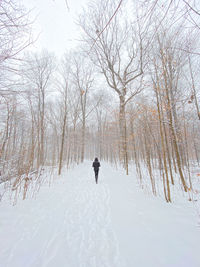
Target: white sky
(55, 23)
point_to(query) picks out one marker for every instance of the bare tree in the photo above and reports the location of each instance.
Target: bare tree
(118, 53)
(82, 76)
(64, 88)
(194, 95)
(37, 73)
(14, 38)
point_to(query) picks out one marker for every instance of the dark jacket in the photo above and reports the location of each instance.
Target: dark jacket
(96, 164)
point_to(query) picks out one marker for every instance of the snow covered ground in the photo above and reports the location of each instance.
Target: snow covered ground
(76, 223)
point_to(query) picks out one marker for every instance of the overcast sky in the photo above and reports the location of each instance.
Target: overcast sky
(55, 23)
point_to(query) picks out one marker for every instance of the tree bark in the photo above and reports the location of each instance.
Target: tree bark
(123, 134)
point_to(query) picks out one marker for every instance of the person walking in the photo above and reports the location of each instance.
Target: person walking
(96, 165)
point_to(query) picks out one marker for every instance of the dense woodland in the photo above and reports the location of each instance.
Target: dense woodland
(128, 94)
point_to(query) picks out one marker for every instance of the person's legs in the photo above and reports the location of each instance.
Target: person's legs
(96, 176)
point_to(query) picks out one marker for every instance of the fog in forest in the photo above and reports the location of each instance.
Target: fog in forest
(126, 90)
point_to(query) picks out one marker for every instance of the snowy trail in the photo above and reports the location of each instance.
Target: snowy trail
(67, 225)
(76, 223)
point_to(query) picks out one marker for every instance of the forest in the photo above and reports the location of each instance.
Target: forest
(127, 94)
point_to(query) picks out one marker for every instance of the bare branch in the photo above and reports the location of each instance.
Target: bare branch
(195, 11)
(99, 34)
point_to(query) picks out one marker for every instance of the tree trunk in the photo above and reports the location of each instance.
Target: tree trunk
(123, 134)
(83, 140)
(62, 144)
(168, 196)
(174, 139)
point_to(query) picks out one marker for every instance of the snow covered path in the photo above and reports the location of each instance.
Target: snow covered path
(76, 223)
(67, 225)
